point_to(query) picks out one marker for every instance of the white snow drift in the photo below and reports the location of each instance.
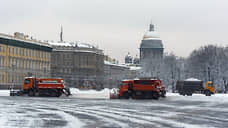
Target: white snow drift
(90, 94)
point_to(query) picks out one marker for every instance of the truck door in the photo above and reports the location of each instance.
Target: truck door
(130, 85)
(27, 84)
(210, 86)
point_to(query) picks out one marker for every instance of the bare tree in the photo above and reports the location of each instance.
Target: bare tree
(209, 63)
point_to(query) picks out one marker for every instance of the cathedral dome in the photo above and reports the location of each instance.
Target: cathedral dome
(151, 34)
(151, 39)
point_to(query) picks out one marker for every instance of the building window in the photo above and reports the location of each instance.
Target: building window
(19, 63)
(38, 54)
(26, 52)
(23, 52)
(13, 50)
(87, 60)
(3, 61)
(17, 51)
(16, 63)
(9, 50)
(24, 66)
(29, 53)
(8, 61)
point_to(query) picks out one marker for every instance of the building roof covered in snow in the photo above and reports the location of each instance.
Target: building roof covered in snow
(75, 47)
(71, 44)
(21, 40)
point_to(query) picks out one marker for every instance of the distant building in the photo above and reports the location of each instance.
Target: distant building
(128, 59)
(136, 61)
(151, 52)
(114, 74)
(22, 57)
(79, 64)
(151, 46)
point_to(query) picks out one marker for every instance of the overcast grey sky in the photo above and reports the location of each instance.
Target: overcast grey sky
(117, 26)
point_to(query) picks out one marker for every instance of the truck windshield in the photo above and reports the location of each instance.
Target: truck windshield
(210, 85)
(27, 81)
(123, 84)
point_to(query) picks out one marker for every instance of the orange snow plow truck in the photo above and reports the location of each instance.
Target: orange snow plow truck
(142, 89)
(53, 87)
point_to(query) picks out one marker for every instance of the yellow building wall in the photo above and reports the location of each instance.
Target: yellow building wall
(30, 55)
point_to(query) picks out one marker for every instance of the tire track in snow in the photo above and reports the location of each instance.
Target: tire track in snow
(190, 117)
(152, 121)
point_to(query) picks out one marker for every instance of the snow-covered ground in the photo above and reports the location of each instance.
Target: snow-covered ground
(81, 94)
(90, 111)
(4, 92)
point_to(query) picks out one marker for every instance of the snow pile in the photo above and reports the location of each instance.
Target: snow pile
(172, 94)
(135, 68)
(192, 79)
(115, 64)
(4, 92)
(90, 94)
(114, 93)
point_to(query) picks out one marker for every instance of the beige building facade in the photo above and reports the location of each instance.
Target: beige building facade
(80, 65)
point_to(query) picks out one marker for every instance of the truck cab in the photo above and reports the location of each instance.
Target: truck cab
(209, 88)
(29, 83)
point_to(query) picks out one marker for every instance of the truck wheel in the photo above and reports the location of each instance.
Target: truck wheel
(132, 94)
(155, 95)
(53, 93)
(58, 94)
(189, 94)
(208, 93)
(30, 93)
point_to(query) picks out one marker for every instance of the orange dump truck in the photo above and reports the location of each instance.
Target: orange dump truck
(142, 89)
(42, 87)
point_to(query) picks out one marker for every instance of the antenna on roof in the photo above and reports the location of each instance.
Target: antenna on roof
(61, 34)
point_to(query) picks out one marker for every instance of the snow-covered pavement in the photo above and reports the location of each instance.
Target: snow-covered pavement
(174, 111)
